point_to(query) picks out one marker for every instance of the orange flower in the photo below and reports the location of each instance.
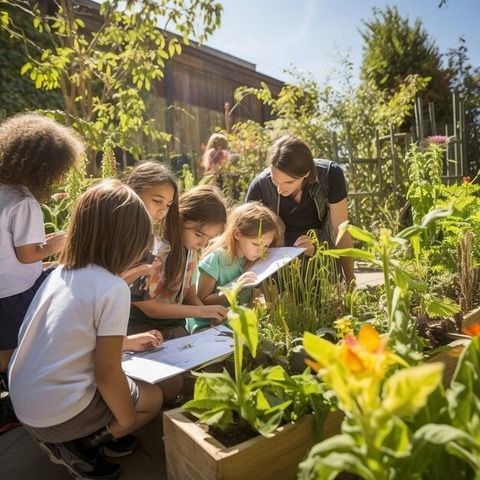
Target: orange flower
(467, 180)
(472, 330)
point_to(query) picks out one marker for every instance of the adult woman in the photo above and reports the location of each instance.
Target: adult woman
(306, 194)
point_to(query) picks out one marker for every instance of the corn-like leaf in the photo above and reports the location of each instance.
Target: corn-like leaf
(406, 391)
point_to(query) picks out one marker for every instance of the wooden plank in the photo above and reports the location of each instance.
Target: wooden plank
(471, 317)
(192, 454)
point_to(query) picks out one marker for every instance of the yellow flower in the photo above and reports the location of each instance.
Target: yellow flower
(343, 326)
(354, 368)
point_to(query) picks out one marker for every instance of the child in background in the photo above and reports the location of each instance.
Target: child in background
(168, 296)
(35, 152)
(66, 379)
(216, 153)
(251, 228)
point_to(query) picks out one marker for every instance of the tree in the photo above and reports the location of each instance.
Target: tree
(395, 49)
(105, 62)
(465, 79)
(18, 93)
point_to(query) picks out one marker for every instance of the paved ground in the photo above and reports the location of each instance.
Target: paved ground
(21, 458)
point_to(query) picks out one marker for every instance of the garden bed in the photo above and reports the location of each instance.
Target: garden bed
(194, 454)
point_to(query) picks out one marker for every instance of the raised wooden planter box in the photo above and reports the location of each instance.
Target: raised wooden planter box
(193, 454)
(473, 316)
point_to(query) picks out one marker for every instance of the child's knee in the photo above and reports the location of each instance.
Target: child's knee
(171, 388)
(151, 399)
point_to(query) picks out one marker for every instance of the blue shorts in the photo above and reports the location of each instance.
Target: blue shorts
(13, 310)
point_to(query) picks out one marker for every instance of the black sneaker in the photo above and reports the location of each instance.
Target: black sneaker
(83, 465)
(120, 447)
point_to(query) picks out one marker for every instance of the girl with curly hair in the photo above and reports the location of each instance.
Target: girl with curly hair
(35, 152)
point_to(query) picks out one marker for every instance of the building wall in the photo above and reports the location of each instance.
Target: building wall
(189, 102)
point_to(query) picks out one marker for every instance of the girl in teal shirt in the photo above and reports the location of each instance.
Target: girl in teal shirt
(251, 228)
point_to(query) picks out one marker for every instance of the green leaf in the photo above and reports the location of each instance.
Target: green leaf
(342, 228)
(407, 390)
(25, 68)
(441, 307)
(454, 440)
(435, 215)
(322, 351)
(361, 235)
(349, 252)
(332, 456)
(464, 393)
(410, 232)
(244, 323)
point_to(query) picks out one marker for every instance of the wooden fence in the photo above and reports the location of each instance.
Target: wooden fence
(391, 149)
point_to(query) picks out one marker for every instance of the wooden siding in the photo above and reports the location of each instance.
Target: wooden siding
(200, 81)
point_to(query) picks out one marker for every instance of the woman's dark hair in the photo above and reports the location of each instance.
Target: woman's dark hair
(36, 151)
(110, 227)
(148, 174)
(293, 157)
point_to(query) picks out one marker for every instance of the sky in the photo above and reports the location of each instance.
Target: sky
(312, 35)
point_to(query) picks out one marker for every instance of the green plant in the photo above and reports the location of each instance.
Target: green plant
(339, 123)
(381, 252)
(109, 166)
(309, 288)
(103, 73)
(260, 399)
(394, 47)
(57, 212)
(425, 177)
(398, 425)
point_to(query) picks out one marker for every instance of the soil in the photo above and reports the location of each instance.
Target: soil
(228, 438)
(232, 437)
(435, 330)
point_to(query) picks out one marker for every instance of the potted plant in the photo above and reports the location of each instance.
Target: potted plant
(272, 412)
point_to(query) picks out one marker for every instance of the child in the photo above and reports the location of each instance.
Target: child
(251, 228)
(66, 378)
(168, 297)
(216, 153)
(34, 154)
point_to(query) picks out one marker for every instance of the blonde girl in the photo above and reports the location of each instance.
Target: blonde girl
(66, 379)
(165, 298)
(216, 153)
(251, 228)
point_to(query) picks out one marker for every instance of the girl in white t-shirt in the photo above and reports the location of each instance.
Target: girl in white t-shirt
(35, 152)
(66, 380)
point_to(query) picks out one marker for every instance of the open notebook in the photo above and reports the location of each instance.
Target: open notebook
(179, 355)
(275, 259)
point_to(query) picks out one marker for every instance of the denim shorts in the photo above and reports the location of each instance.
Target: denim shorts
(13, 310)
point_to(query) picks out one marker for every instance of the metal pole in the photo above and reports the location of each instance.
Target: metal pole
(431, 116)
(421, 125)
(456, 155)
(379, 161)
(394, 165)
(352, 176)
(463, 136)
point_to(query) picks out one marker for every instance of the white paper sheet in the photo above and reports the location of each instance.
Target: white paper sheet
(179, 355)
(275, 259)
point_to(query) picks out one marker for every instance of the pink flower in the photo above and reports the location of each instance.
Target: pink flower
(59, 196)
(437, 140)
